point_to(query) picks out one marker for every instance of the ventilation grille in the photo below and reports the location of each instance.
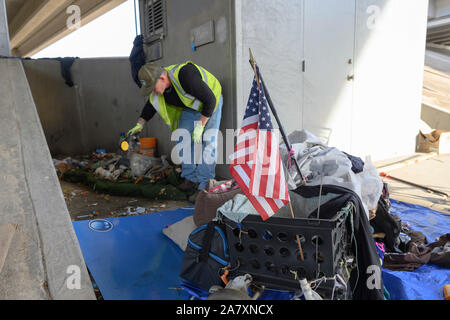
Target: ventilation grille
(155, 19)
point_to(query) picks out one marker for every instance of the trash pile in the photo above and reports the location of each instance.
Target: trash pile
(133, 174)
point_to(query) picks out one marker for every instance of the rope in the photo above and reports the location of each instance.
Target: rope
(318, 217)
(349, 210)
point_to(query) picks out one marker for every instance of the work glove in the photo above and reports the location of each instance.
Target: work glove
(138, 128)
(197, 134)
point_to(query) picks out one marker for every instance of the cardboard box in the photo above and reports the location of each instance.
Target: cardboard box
(435, 141)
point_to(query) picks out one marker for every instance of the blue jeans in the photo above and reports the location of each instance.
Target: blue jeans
(204, 168)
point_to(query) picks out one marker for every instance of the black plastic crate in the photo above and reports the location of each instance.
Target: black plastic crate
(268, 250)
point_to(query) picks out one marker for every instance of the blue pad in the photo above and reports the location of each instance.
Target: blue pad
(134, 260)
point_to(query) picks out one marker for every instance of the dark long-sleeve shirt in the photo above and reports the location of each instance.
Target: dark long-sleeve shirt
(192, 83)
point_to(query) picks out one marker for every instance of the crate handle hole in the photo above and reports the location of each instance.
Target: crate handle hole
(252, 234)
(270, 266)
(301, 237)
(255, 264)
(284, 252)
(269, 251)
(253, 248)
(283, 237)
(267, 235)
(284, 269)
(317, 240)
(239, 247)
(301, 272)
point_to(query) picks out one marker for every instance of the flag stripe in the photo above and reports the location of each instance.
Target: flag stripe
(256, 163)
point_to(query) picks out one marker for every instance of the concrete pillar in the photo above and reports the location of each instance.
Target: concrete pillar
(5, 50)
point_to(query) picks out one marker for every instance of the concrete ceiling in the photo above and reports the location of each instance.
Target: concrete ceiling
(439, 22)
(36, 24)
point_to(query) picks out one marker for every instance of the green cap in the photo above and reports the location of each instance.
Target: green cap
(148, 75)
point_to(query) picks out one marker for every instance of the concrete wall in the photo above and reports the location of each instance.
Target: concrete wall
(438, 8)
(57, 106)
(438, 59)
(104, 102)
(45, 244)
(273, 31)
(4, 33)
(436, 117)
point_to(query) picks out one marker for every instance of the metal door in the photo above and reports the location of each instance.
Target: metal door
(329, 31)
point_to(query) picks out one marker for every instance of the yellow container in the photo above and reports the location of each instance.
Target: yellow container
(447, 292)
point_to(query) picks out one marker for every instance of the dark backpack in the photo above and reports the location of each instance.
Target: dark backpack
(205, 255)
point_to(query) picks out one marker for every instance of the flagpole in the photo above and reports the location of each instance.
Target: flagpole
(285, 138)
(274, 112)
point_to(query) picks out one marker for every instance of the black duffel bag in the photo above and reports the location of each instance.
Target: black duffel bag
(205, 255)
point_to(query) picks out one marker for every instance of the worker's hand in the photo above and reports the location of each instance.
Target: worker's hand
(138, 128)
(197, 134)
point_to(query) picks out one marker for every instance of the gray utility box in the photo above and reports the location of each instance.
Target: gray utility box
(349, 71)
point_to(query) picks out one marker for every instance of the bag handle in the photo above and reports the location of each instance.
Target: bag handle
(206, 242)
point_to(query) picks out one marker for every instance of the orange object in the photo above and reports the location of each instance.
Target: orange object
(224, 277)
(148, 146)
(138, 180)
(447, 292)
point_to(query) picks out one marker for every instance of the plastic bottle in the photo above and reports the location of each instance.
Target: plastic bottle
(308, 292)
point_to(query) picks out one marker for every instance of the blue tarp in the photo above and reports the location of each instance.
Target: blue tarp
(134, 260)
(426, 282)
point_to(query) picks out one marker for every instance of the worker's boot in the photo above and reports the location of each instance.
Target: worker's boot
(187, 186)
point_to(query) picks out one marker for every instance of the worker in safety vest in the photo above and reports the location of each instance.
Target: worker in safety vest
(186, 96)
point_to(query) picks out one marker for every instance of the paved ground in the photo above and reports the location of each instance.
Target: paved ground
(84, 203)
(431, 172)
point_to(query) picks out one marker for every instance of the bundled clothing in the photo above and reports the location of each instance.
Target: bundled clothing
(325, 165)
(418, 254)
(137, 58)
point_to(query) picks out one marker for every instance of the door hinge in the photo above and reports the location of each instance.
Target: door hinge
(303, 65)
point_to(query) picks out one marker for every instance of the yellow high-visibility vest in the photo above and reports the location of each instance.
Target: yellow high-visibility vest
(171, 114)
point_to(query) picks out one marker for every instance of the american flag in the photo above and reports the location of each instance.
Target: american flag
(256, 163)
